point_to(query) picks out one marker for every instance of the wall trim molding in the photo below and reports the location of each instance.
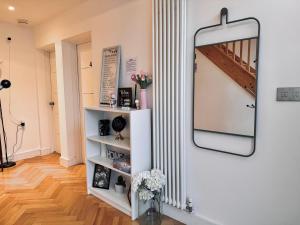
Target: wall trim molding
(68, 162)
(187, 218)
(30, 153)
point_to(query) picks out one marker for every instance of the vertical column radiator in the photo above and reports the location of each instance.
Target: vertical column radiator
(169, 45)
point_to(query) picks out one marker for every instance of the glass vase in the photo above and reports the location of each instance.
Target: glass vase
(153, 215)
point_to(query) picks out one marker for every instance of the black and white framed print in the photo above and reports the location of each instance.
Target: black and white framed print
(101, 177)
(125, 97)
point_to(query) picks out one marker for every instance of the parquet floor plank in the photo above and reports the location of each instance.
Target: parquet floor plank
(39, 191)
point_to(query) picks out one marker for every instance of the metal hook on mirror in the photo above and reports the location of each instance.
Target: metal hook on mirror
(224, 12)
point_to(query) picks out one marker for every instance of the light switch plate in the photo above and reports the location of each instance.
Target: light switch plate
(288, 94)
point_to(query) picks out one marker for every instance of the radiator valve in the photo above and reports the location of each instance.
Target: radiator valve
(189, 205)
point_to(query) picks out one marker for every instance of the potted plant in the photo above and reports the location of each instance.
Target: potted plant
(120, 185)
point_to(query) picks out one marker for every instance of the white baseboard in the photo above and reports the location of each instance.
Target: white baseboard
(31, 153)
(68, 162)
(186, 218)
(46, 151)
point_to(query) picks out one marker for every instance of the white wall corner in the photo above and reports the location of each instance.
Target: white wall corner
(68, 103)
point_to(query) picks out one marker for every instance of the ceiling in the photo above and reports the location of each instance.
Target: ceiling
(35, 11)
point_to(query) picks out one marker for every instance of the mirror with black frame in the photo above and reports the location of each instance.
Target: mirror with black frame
(225, 85)
(225, 88)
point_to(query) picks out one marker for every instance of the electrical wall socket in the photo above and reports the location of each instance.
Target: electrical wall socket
(288, 94)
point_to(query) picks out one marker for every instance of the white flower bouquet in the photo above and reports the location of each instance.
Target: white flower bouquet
(149, 184)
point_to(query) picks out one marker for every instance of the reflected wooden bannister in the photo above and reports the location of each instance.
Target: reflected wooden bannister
(230, 60)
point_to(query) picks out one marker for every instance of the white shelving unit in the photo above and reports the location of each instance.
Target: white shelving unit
(137, 144)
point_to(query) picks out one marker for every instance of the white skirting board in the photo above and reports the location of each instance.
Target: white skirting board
(68, 162)
(187, 218)
(32, 153)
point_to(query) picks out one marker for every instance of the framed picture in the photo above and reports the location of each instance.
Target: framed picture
(125, 97)
(101, 177)
(110, 73)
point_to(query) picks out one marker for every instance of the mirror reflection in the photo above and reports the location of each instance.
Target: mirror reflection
(225, 87)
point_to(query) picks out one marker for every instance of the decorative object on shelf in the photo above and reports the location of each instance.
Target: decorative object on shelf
(122, 164)
(115, 155)
(137, 104)
(129, 195)
(103, 150)
(118, 124)
(144, 80)
(148, 185)
(101, 177)
(135, 98)
(104, 127)
(113, 101)
(110, 73)
(125, 97)
(120, 185)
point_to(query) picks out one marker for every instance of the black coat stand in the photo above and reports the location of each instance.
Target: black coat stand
(8, 163)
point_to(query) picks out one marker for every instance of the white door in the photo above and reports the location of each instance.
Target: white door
(54, 102)
(87, 83)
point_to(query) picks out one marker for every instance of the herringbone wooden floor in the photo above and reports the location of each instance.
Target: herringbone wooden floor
(39, 191)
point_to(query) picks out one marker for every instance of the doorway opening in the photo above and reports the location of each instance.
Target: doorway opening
(84, 89)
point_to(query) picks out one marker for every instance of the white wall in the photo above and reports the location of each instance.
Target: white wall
(128, 25)
(68, 103)
(263, 189)
(29, 91)
(86, 83)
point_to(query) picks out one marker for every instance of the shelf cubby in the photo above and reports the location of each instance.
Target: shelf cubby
(111, 140)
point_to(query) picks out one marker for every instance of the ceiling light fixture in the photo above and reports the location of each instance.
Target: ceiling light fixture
(11, 8)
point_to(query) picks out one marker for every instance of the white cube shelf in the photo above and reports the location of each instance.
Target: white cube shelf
(137, 144)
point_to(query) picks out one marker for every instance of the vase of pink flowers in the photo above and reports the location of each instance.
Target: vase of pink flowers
(143, 80)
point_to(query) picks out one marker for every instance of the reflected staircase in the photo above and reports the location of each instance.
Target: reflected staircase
(229, 57)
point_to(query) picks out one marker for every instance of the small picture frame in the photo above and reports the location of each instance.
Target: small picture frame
(101, 177)
(125, 97)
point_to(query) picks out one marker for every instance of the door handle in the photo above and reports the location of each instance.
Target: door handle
(51, 103)
(251, 106)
